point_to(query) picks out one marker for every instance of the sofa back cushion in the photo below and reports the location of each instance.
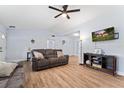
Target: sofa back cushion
(7, 68)
(50, 53)
(57, 50)
(47, 53)
(51, 56)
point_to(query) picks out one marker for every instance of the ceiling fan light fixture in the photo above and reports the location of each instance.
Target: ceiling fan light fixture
(64, 11)
(64, 15)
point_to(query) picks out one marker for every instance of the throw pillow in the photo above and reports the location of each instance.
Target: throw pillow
(7, 68)
(60, 54)
(38, 55)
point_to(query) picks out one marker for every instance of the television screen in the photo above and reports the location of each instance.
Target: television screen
(102, 35)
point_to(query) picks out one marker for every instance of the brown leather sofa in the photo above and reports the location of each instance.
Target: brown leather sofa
(50, 59)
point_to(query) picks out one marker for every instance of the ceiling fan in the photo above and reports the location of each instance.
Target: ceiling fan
(64, 12)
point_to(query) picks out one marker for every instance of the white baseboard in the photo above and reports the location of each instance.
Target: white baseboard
(120, 73)
(15, 60)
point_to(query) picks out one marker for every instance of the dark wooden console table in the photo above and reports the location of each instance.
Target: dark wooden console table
(106, 63)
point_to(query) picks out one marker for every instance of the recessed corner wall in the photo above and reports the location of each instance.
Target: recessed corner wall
(113, 17)
(2, 43)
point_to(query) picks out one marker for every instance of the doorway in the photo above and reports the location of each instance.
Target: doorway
(2, 47)
(50, 44)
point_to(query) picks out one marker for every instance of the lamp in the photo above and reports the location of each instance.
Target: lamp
(81, 38)
(81, 50)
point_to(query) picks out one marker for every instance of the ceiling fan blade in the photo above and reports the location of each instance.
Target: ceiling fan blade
(55, 8)
(68, 17)
(75, 10)
(65, 7)
(58, 15)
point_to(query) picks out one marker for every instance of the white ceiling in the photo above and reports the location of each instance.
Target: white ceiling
(42, 18)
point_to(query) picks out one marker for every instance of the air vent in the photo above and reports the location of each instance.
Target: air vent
(11, 27)
(53, 35)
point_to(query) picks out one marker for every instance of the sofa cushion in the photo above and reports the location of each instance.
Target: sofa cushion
(17, 79)
(7, 68)
(3, 83)
(53, 60)
(51, 56)
(62, 59)
(43, 62)
(50, 52)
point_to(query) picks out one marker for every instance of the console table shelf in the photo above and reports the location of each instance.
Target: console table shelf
(106, 63)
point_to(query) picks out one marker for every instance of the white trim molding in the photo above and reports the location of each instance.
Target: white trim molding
(120, 73)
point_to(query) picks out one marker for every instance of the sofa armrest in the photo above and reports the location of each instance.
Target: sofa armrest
(35, 63)
(67, 57)
(35, 59)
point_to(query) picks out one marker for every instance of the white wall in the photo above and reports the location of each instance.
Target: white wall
(2, 43)
(70, 47)
(18, 42)
(113, 16)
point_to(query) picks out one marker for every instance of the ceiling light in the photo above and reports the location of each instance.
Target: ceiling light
(76, 34)
(3, 36)
(11, 26)
(64, 14)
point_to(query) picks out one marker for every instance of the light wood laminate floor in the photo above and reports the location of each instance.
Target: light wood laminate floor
(72, 75)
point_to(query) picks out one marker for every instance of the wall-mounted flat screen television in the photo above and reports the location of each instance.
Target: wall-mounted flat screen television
(103, 35)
